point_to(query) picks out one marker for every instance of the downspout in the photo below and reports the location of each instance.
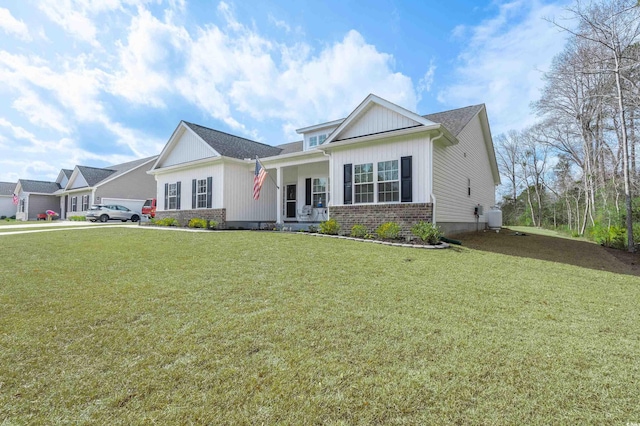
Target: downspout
(433, 197)
(329, 184)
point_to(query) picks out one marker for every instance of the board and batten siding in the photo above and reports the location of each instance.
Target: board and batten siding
(238, 195)
(376, 120)
(215, 171)
(189, 147)
(416, 146)
(453, 166)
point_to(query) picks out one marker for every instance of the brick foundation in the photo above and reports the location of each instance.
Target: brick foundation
(373, 215)
(184, 216)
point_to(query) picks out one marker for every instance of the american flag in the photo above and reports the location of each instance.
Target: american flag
(258, 179)
(15, 199)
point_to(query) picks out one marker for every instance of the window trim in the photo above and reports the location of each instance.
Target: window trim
(357, 198)
(174, 196)
(85, 204)
(201, 195)
(389, 181)
(74, 204)
(313, 141)
(314, 192)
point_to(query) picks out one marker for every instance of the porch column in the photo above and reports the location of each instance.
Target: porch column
(279, 220)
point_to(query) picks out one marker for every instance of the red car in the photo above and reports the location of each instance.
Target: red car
(149, 207)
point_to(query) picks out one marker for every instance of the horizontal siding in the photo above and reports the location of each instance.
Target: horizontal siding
(7, 208)
(452, 167)
(136, 184)
(41, 203)
(79, 196)
(189, 147)
(375, 120)
(238, 198)
(416, 146)
(185, 177)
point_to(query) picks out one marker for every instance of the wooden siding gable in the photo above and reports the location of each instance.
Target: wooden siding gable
(185, 146)
(376, 116)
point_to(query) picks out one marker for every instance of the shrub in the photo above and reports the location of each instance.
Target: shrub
(358, 231)
(77, 218)
(3, 217)
(313, 229)
(329, 227)
(13, 217)
(198, 223)
(608, 236)
(213, 224)
(167, 221)
(427, 232)
(389, 230)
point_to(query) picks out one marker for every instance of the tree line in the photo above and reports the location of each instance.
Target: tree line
(577, 167)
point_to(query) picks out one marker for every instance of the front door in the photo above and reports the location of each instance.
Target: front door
(291, 201)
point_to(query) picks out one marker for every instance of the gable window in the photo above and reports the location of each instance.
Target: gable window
(313, 141)
(363, 183)
(85, 203)
(201, 193)
(173, 196)
(321, 139)
(388, 183)
(74, 204)
(319, 192)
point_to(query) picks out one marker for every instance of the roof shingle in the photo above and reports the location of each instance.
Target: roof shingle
(39, 186)
(233, 146)
(454, 120)
(7, 188)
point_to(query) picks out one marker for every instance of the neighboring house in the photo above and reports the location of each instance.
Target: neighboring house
(127, 184)
(382, 163)
(36, 197)
(7, 208)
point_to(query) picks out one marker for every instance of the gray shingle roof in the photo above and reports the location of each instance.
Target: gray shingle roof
(290, 148)
(94, 175)
(67, 172)
(233, 146)
(38, 186)
(454, 120)
(7, 188)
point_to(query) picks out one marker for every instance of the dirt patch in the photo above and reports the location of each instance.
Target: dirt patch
(554, 249)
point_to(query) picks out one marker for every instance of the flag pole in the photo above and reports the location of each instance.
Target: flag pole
(265, 170)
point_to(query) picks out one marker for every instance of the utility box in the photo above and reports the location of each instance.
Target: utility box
(478, 210)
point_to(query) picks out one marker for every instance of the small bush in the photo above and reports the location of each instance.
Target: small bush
(427, 232)
(198, 223)
(167, 221)
(313, 229)
(358, 231)
(3, 217)
(77, 218)
(329, 227)
(388, 231)
(13, 217)
(213, 224)
(608, 236)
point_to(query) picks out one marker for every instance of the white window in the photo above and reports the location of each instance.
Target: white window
(313, 141)
(321, 138)
(173, 196)
(21, 209)
(85, 203)
(201, 193)
(74, 204)
(388, 183)
(319, 192)
(363, 183)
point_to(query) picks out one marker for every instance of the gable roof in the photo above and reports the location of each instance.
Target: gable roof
(456, 119)
(38, 186)
(232, 146)
(7, 188)
(67, 172)
(94, 175)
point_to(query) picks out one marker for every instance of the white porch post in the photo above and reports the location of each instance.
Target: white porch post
(279, 196)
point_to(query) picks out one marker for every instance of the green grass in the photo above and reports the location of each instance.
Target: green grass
(131, 326)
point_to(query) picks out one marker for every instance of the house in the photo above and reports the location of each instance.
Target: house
(381, 163)
(7, 208)
(35, 197)
(127, 184)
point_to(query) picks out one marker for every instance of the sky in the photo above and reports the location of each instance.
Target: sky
(101, 82)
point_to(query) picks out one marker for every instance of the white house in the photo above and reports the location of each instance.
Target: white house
(7, 208)
(381, 163)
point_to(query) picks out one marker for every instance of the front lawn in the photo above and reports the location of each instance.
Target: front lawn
(132, 326)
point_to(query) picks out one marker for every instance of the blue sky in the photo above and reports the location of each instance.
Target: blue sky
(99, 82)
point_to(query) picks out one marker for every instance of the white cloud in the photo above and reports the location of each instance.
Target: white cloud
(12, 26)
(503, 62)
(424, 85)
(73, 21)
(17, 131)
(40, 113)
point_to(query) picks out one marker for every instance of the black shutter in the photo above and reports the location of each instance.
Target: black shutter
(348, 177)
(406, 191)
(209, 192)
(177, 195)
(166, 196)
(307, 192)
(193, 194)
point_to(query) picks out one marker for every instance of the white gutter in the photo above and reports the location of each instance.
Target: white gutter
(433, 197)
